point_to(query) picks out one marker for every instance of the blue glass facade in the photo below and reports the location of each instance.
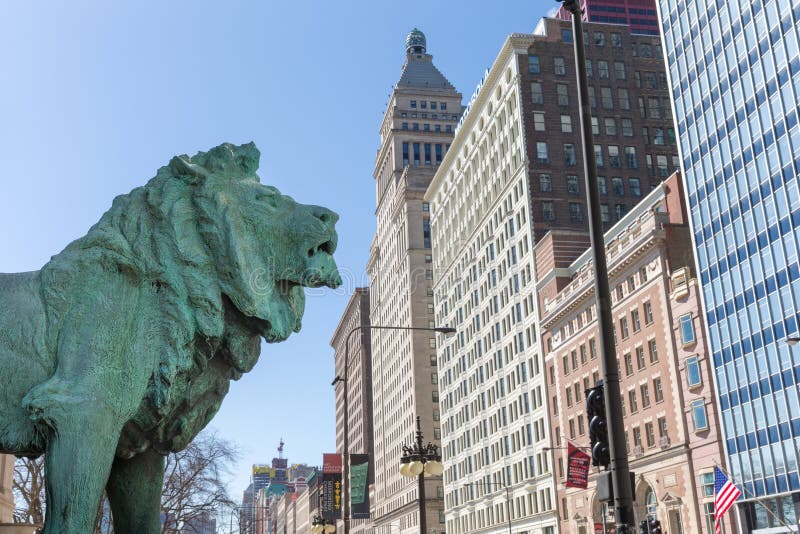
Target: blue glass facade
(734, 70)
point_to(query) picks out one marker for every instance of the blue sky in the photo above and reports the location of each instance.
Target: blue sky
(97, 95)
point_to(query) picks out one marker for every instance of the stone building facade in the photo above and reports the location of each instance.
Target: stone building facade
(415, 133)
(514, 172)
(667, 385)
(359, 378)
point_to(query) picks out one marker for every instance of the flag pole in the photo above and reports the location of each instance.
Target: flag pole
(755, 499)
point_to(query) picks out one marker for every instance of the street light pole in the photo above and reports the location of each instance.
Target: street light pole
(345, 411)
(508, 497)
(417, 461)
(620, 478)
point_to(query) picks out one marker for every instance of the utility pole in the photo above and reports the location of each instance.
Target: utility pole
(620, 474)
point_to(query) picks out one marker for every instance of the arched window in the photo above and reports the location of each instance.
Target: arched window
(650, 503)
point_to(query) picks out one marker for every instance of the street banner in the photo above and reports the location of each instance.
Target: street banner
(332, 486)
(577, 467)
(359, 492)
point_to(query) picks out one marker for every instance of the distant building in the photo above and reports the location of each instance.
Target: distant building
(639, 15)
(204, 523)
(672, 428)
(359, 376)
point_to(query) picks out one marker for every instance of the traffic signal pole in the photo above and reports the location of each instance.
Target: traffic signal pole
(623, 494)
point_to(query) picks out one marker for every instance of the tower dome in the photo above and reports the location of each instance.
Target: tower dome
(415, 42)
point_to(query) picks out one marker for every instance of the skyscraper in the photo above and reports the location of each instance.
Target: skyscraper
(511, 177)
(415, 133)
(735, 79)
(639, 15)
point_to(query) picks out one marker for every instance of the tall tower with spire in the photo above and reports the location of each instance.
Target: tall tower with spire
(415, 133)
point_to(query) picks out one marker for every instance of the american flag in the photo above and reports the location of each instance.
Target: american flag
(725, 494)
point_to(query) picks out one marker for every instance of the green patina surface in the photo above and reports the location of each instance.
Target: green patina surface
(121, 348)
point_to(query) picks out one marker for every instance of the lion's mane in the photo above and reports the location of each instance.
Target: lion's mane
(163, 234)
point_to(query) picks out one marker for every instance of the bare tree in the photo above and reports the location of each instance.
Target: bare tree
(29, 490)
(193, 481)
(194, 486)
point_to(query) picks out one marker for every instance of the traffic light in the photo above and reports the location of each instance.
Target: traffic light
(655, 526)
(598, 425)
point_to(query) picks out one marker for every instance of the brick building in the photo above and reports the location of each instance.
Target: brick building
(640, 15)
(671, 420)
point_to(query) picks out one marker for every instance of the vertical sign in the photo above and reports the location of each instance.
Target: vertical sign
(359, 492)
(577, 467)
(332, 486)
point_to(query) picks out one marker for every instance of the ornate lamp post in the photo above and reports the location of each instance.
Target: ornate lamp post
(345, 414)
(419, 460)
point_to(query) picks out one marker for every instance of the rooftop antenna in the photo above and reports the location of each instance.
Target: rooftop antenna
(280, 449)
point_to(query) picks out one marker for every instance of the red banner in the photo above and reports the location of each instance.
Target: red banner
(577, 467)
(331, 462)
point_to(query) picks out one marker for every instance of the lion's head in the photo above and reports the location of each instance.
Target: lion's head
(204, 232)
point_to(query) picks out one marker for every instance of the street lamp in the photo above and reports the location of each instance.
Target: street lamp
(508, 496)
(419, 460)
(343, 379)
(319, 525)
(620, 477)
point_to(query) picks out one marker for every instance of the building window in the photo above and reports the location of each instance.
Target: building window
(533, 64)
(426, 127)
(595, 126)
(566, 123)
(538, 121)
(615, 39)
(573, 186)
(599, 39)
(569, 396)
(611, 126)
(416, 152)
(545, 183)
(707, 483)
(630, 157)
(437, 128)
(635, 321)
(637, 437)
(592, 348)
(589, 68)
(645, 390)
(541, 152)
(566, 35)
(443, 105)
(603, 70)
(634, 187)
(592, 98)
(632, 401)
(693, 376)
(613, 156)
(619, 71)
(548, 213)
(651, 347)
(575, 213)
(687, 329)
(559, 66)
(640, 358)
(405, 154)
(570, 158)
(605, 213)
(699, 415)
(562, 94)
(617, 186)
(434, 378)
(414, 104)
(663, 168)
(628, 363)
(598, 155)
(601, 183)
(627, 127)
(606, 98)
(650, 433)
(623, 327)
(658, 136)
(537, 96)
(405, 126)
(658, 390)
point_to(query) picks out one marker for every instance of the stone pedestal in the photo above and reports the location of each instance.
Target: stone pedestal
(14, 528)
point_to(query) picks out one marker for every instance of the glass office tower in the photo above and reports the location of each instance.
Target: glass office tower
(734, 71)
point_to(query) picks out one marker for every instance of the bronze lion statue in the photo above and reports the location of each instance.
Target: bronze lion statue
(121, 348)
